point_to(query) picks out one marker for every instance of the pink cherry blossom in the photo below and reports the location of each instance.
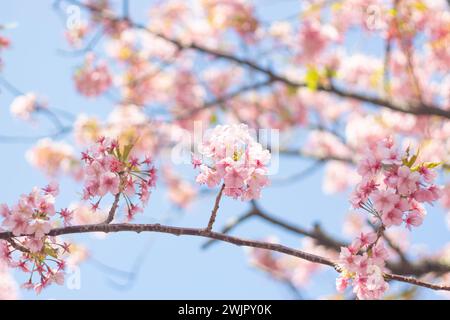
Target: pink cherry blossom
(407, 181)
(365, 239)
(34, 244)
(111, 169)
(231, 153)
(342, 283)
(385, 201)
(414, 219)
(39, 228)
(391, 192)
(392, 218)
(430, 194)
(16, 223)
(369, 166)
(92, 80)
(31, 220)
(109, 182)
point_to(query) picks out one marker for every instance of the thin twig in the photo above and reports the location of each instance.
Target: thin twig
(231, 226)
(215, 209)
(421, 109)
(113, 209)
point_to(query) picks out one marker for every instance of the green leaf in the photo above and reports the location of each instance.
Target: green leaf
(119, 155)
(51, 252)
(213, 119)
(432, 165)
(412, 160)
(312, 78)
(126, 151)
(330, 73)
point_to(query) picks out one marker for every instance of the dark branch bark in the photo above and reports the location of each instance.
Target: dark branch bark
(212, 219)
(178, 231)
(113, 209)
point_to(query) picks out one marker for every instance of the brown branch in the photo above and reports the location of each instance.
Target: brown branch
(215, 209)
(231, 226)
(200, 232)
(316, 234)
(18, 246)
(9, 139)
(179, 231)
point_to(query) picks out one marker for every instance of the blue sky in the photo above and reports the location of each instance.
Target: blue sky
(172, 267)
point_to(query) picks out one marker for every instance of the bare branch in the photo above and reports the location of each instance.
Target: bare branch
(215, 209)
(200, 232)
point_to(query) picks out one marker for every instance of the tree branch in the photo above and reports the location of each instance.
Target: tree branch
(230, 226)
(200, 232)
(404, 267)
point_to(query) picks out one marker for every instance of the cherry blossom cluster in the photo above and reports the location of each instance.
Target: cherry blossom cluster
(393, 187)
(180, 191)
(76, 34)
(92, 79)
(113, 169)
(231, 154)
(363, 264)
(31, 249)
(392, 190)
(54, 157)
(23, 106)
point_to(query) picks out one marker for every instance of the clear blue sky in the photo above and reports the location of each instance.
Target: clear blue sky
(173, 267)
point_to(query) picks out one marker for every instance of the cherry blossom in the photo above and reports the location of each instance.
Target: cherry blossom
(378, 123)
(30, 220)
(76, 34)
(23, 106)
(396, 197)
(231, 154)
(110, 168)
